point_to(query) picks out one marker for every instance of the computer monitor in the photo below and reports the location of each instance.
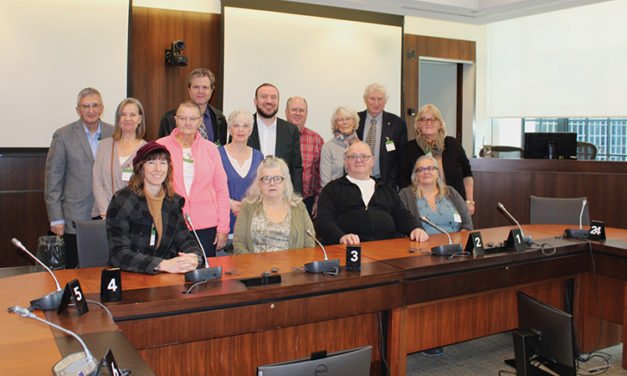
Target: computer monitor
(348, 362)
(544, 336)
(551, 145)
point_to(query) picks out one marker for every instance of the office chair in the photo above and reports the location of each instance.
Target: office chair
(92, 243)
(504, 152)
(586, 150)
(554, 210)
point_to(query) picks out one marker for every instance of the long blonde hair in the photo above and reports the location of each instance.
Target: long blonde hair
(439, 138)
(253, 194)
(415, 187)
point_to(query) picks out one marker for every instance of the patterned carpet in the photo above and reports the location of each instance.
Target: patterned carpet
(484, 357)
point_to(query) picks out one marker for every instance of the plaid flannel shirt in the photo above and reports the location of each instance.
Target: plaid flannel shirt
(310, 145)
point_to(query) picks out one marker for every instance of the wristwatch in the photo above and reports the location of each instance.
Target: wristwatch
(470, 202)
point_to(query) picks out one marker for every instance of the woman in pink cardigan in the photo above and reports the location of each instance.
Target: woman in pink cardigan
(199, 178)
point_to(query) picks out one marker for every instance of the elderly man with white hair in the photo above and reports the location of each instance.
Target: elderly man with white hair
(385, 133)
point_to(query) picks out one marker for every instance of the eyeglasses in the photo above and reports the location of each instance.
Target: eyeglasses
(361, 157)
(423, 169)
(272, 179)
(425, 120)
(184, 119)
(87, 106)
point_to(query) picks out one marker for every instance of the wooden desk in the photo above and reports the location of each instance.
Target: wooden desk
(224, 327)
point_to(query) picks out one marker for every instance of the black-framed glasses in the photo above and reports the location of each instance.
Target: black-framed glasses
(272, 179)
(428, 168)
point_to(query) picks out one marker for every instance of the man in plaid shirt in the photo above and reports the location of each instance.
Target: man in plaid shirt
(310, 145)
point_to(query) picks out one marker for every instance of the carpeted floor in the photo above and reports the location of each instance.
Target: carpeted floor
(484, 357)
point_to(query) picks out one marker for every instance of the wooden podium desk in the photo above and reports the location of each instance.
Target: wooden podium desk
(223, 327)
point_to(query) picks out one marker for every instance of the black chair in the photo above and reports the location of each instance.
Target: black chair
(586, 150)
(555, 210)
(92, 243)
(504, 152)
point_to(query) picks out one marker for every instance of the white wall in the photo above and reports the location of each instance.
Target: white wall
(52, 50)
(559, 64)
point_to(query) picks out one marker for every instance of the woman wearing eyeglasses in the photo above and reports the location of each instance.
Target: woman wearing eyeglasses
(199, 178)
(344, 124)
(272, 217)
(428, 196)
(431, 138)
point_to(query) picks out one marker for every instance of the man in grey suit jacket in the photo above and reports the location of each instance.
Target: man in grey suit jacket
(274, 136)
(388, 137)
(69, 193)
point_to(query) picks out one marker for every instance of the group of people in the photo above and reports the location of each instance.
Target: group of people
(259, 191)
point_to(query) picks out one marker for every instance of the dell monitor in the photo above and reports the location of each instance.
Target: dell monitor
(544, 336)
(348, 362)
(551, 145)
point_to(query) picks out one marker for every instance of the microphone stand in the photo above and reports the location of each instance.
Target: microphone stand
(46, 302)
(578, 233)
(325, 266)
(201, 274)
(446, 249)
(526, 239)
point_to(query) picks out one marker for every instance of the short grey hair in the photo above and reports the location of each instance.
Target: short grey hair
(287, 104)
(85, 92)
(344, 111)
(241, 114)
(375, 87)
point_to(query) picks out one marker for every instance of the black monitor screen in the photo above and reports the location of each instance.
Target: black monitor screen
(349, 362)
(551, 145)
(554, 344)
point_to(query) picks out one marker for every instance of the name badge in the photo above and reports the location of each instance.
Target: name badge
(126, 174)
(389, 145)
(457, 218)
(153, 236)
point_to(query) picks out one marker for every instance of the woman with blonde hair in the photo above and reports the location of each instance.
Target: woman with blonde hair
(431, 139)
(272, 217)
(430, 197)
(113, 165)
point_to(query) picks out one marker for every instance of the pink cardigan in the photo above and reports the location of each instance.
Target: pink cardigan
(208, 201)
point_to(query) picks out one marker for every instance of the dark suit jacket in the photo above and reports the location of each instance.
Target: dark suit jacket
(69, 193)
(392, 128)
(287, 148)
(217, 119)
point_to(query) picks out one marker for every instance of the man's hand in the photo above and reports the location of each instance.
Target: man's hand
(183, 263)
(221, 240)
(419, 235)
(58, 229)
(349, 239)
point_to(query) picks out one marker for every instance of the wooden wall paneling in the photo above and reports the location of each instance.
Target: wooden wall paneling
(447, 321)
(410, 83)
(23, 206)
(161, 88)
(240, 355)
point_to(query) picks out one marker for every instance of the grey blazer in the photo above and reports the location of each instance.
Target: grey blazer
(409, 199)
(68, 190)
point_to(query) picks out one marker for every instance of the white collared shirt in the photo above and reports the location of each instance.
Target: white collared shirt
(267, 136)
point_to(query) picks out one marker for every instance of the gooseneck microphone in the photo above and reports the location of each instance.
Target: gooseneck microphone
(325, 266)
(446, 249)
(46, 302)
(526, 239)
(206, 273)
(579, 233)
(78, 363)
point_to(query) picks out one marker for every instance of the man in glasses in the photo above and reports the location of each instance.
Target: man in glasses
(357, 208)
(68, 191)
(200, 84)
(384, 132)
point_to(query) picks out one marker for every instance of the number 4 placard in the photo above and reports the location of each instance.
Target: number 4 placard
(111, 285)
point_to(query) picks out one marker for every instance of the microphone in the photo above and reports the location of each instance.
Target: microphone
(579, 233)
(206, 273)
(78, 363)
(46, 302)
(526, 239)
(325, 266)
(446, 249)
